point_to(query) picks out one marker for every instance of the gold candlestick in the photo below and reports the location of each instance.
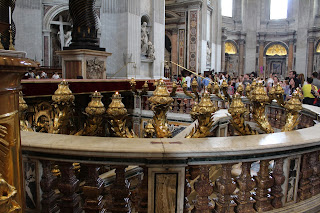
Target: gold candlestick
(11, 47)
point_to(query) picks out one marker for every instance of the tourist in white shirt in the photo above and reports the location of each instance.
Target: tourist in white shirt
(56, 76)
(188, 80)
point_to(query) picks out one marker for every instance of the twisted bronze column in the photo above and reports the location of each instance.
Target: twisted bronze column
(4, 17)
(85, 25)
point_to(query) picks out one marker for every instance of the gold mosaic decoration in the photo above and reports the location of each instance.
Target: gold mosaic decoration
(230, 48)
(276, 49)
(318, 48)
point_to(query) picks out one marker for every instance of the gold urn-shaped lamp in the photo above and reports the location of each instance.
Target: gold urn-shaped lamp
(259, 98)
(63, 94)
(259, 94)
(203, 113)
(160, 102)
(240, 89)
(253, 84)
(161, 96)
(237, 106)
(95, 107)
(224, 84)
(294, 104)
(116, 108)
(206, 106)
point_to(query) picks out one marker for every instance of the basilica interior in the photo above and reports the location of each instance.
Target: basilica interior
(159, 106)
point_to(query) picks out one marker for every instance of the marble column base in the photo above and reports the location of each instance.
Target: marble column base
(90, 64)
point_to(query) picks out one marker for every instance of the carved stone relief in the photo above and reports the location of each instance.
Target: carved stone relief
(95, 69)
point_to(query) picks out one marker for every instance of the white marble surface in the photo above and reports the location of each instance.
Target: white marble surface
(181, 148)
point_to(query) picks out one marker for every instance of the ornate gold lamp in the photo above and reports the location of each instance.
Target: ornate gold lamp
(63, 111)
(238, 111)
(240, 89)
(203, 113)
(224, 87)
(259, 99)
(94, 111)
(293, 106)
(117, 114)
(160, 103)
(216, 90)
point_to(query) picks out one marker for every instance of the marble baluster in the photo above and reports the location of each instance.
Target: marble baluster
(188, 106)
(143, 192)
(245, 183)
(47, 184)
(187, 192)
(225, 187)
(181, 106)
(68, 186)
(304, 182)
(147, 104)
(92, 191)
(120, 192)
(204, 189)
(279, 178)
(264, 182)
(315, 179)
(175, 106)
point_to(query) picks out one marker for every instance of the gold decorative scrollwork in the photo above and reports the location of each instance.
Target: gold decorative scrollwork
(7, 194)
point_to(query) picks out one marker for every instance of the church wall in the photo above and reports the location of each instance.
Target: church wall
(158, 35)
(29, 28)
(114, 28)
(250, 27)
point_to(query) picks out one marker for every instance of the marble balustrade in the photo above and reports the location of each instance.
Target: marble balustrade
(264, 173)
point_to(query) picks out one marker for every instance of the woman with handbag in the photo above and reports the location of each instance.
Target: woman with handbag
(310, 92)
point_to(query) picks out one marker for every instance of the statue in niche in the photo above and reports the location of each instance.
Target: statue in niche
(144, 38)
(147, 48)
(150, 51)
(208, 54)
(95, 69)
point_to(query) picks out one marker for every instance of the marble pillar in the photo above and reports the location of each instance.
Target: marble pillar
(223, 52)
(310, 56)
(241, 56)
(261, 63)
(290, 56)
(193, 39)
(174, 51)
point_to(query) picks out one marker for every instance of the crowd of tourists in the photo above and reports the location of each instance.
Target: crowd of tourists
(310, 87)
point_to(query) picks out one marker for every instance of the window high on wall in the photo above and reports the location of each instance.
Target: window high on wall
(278, 9)
(226, 8)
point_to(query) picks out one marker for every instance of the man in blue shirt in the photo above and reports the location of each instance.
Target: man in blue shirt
(206, 81)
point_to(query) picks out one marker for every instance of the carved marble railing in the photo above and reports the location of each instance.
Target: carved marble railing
(264, 173)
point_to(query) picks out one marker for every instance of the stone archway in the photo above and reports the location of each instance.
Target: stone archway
(231, 57)
(50, 14)
(276, 56)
